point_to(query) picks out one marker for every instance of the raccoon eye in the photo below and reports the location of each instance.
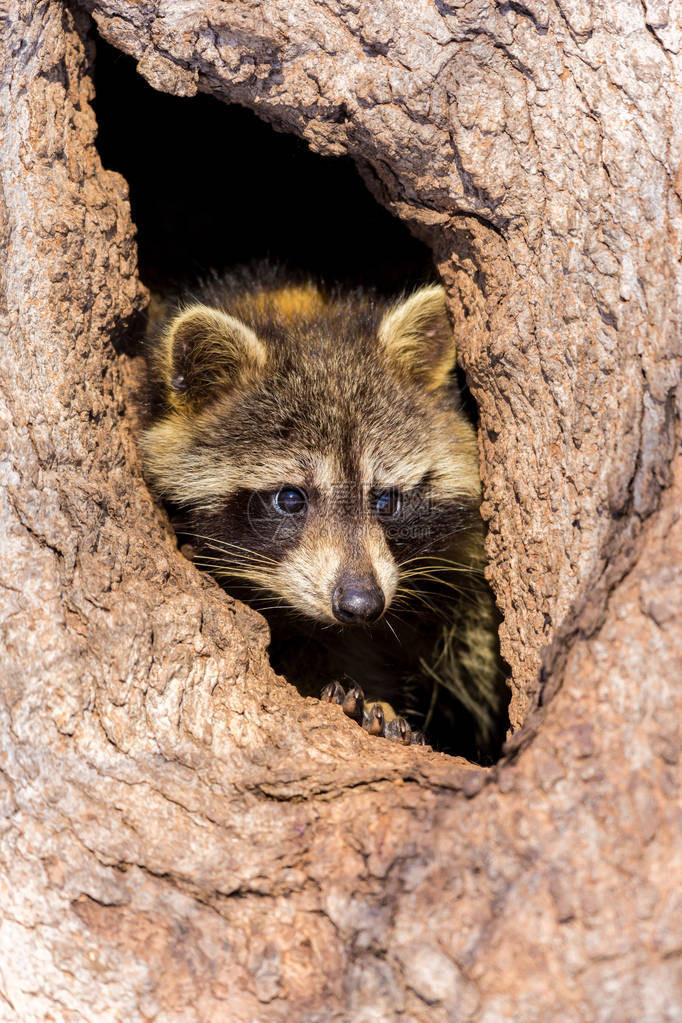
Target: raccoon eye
(387, 503)
(291, 501)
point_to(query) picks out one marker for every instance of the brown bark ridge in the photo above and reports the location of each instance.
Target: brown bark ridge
(182, 837)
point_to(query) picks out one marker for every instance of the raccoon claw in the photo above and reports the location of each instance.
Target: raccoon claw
(398, 730)
(375, 721)
(354, 704)
(333, 693)
(353, 701)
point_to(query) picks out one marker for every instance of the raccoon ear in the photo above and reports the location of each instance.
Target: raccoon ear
(204, 350)
(418, 335)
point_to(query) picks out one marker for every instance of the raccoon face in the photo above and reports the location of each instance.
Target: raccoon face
(315, 445)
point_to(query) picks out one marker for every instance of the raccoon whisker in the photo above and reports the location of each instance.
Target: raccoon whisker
(434, 566)
(248, 586)
(392, 629)
(428, 603)
(250, 574)
(441, 582)
(213, 564)
(243, 571)
(230, 558)
(389, 625)
(467, 580)
(236, 557)
(226, 546)
(442, 593)
(254, 601)
(290, 611)
(433, 557)
(432, 604)
(434, 597)
(406, 609)
(411, 611)
(409, 590)
(266, 592)
(236, 563)
(434, 573)
(236, 567)
(440, 539)
(441, 565)
(268, 595)
(236, 553)
(433, 576)
(229, 574)
(392, 609)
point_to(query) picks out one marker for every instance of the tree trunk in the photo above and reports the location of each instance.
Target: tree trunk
(182, 837)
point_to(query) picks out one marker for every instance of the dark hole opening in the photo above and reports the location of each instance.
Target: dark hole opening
(211, 188)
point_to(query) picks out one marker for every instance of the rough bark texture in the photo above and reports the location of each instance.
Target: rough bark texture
(184, 838)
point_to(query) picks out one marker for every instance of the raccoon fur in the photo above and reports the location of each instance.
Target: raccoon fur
(313, 448)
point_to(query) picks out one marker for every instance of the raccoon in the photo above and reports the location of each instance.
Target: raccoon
(313, 448)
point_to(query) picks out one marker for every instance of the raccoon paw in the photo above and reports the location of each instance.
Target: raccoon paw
(333, 693)
(352, 700)
(398, 730)
(381, 719)
(376, 718)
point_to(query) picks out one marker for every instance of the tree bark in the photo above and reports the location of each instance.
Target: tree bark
(182, 837)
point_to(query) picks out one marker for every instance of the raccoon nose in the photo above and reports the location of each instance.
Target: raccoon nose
(357, 600)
